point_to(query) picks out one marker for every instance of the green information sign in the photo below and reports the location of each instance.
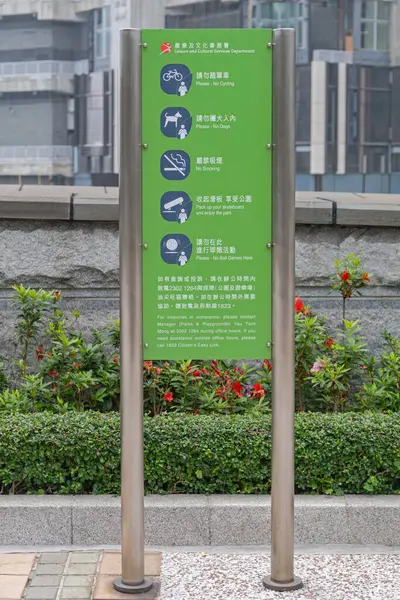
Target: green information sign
(207, 193)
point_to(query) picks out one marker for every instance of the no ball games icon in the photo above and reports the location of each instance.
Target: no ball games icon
(176, 249)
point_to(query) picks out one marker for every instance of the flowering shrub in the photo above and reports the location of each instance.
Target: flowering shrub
(349, 276)
(59, 369)
(206, 387)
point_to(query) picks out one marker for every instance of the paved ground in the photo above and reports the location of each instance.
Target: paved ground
(66, 575)
(363, 574)
(239, 577)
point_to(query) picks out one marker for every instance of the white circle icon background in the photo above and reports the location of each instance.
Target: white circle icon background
(172, 244)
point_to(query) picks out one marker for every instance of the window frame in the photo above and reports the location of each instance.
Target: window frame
(102, 32)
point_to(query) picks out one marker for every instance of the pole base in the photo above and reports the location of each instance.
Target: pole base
(127, 588)
(291, 586)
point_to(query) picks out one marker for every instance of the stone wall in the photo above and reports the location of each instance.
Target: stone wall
(80, 257)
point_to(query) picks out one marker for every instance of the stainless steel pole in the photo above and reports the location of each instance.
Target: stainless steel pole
(130, 230)
(282, 576)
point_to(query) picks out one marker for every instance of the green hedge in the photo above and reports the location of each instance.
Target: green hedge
(80, 453)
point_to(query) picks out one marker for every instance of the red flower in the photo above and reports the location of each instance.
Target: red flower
(53, 373)
(345, 276)
(148, 365)
(203, 370)
(39, 353)
(220, 392)
(329, 343)
(298, 305)
(268, 365)
(56, 296)
(237, 388)
(76, 365)
(258, 391)
(196, 374)
(365, 277)
(196, 412)
(116, 360)
(168, 397)
(214, 363)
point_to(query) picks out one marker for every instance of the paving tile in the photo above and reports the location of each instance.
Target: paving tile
(16, 564)
(78, 593)
(42, 593)
(45, 581)
(12, 586)
(49, 569)
(111, 563)
(53, 558)
(104, 590)
(84, 557)
(81, 569)
(78, 580)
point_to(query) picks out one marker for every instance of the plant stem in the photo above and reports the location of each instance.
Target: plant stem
(343, 311)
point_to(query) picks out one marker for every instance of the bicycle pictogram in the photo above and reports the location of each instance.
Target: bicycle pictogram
(172, 74)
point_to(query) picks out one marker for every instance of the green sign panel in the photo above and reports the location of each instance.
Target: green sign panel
(207, 193)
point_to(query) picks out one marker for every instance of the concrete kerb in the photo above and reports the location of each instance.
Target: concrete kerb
(197, 520)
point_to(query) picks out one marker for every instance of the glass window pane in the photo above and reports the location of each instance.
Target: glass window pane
(99, 45)
(107, 43)
(377, 116)
(266, 10)
(383, 10)
(107, 16)
(368, 9)
(367, 36)
(300, 36)
(382, 36)
(98, 17)
(302, 162)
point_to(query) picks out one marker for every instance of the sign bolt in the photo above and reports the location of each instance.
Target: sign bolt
(145, 246)
(269, 344)
(269, 245)
(269, 146)
(146, 345)
(144, 45)
(145, 146)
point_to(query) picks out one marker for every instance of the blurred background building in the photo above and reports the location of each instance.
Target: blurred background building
(59, 85)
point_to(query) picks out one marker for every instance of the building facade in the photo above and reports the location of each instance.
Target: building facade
(348, 84)
(59, 85)
(58, 89)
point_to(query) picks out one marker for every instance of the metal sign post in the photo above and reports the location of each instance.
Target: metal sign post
(282, 576)
(130, 229)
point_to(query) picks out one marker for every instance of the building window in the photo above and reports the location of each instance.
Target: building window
(102, 32)
(273, 15)
(375, 24)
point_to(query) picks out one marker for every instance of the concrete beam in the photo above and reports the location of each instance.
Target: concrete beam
(193, 520)
(101, 204)
(30, 203)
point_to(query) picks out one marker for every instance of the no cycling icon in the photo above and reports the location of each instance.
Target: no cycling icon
(176, 79)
